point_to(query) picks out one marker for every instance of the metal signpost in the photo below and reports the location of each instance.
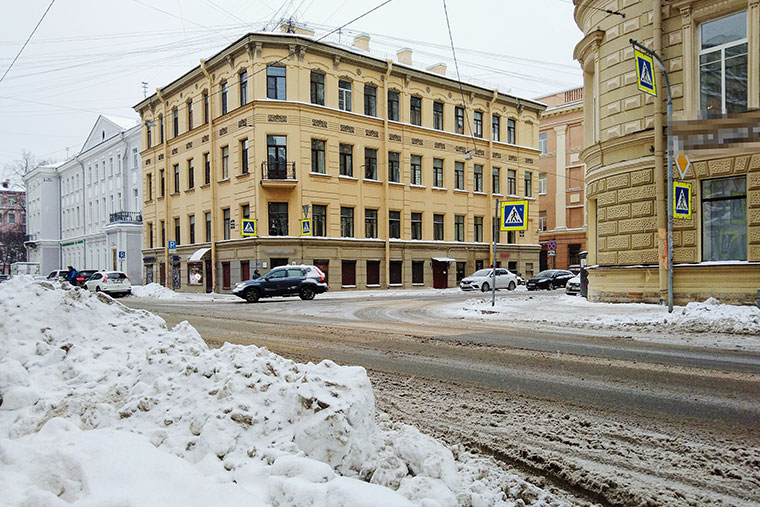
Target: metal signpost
(645, 59)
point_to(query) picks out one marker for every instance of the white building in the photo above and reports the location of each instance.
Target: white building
(87, 211)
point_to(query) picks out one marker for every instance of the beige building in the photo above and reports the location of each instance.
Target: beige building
(712, 52)
(562, 214)
(397, 168)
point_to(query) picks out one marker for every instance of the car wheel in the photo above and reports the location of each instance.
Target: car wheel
(511, 286)
(307, 293)
(251, 295)
(97, 289)
(485, 287)
(551, 286)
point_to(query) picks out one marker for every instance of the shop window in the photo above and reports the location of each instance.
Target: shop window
(724, 219)
(418, 272)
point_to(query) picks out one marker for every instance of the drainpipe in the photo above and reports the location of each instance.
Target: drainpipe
(386, 185)
(659, 163)
(160, 96)
(212, 166)
(494, 232)
(84, 216)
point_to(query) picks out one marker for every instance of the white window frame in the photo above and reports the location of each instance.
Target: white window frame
(542, 184)
(722, 48)
(543, 143)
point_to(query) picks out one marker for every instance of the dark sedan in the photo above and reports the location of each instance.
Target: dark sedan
(549, 279)
(83, 276)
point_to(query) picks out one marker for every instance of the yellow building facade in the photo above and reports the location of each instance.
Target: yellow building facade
(397, 169)
(712, 53)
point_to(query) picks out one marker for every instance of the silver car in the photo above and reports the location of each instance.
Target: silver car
(573, 285)
(483, 278)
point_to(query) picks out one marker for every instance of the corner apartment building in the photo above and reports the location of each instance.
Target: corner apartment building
(561, 201)
(712, 53)
(12, 226)
(398, 168)
(87, 210)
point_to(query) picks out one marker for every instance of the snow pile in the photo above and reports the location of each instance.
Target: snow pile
(103, 405)
(154, 290)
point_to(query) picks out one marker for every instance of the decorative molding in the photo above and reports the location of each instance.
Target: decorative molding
(512, 158)
(371, 133)
(439, 146)
(461, 149)
(319, 123)
(147, 161)
(175, 151)
(496, 155)
(479, 153)
(528, 160)
(394, 137)
(347, 128)
(204, 139)
(188, 145)
(222, 131)
(277, 118)
(417, 141)
(243, 122)
(160, 156)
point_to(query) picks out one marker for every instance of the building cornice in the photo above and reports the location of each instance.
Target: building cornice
(589, 44)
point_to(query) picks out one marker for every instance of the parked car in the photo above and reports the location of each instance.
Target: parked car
(83, 276)
(573, 285)
(296, 280)
(549, 279)
(4, 278)
(483, 278)
(113, 283)
(58, 274)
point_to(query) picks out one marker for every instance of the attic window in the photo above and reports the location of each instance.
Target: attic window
(103, 134)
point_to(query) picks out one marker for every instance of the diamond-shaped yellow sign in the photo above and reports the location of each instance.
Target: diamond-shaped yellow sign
(683, 163)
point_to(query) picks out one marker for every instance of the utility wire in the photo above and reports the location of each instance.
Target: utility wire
(27, 40)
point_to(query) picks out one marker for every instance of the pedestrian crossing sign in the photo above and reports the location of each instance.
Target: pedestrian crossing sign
(645, 72)
(514, 216)
(681, 200)
(306, 227)
(248, 227)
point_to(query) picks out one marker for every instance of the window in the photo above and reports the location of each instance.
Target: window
(393, 106)
(226, 223)
(478, 230)
(542, 220)
(459, 227)
(317, 88)
(496, 180)
(418, 270)
(207, 216)
(724, 219)
(438, 172)
(511, 182)
(244, 156)
(176, 178)
(373, 273)
(459, 175)
(416, 170)
(478, 178)
(511, 136)
(344, 95)
(243, 88)
(370, 223)
(175, 121)
(190, 115)
(438, 115)
(394, 167)
(224, 98)
(395, 271)
(528, 184)
(205, 111)
(543, 143)
(150, 232)
(370, 100)
(177, 236)
(276, 82)
(348, 273)
(225, 162)
(319, 220)
(723, 65)
(163, 233)
(277, 157)
(459, 120)
(416, 223)
(278, 219)
(496, 127)
(190, 176)
(370, 163)
(477, 123)
(149, 184)
(346, 160)
(318, 156)
(438, 227)
(574, 254)
(394, 224)
(415, 111)
(162, 187)
(191, 228)
(346, 222)
(245, 211)
(542, 186)
(161, 129)
(206, 169)
(150, 137)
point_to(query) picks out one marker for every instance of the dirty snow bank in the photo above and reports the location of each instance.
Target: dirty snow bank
(154, 290)
(103, 405)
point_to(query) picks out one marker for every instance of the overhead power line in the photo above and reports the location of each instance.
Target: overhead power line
(27, 40)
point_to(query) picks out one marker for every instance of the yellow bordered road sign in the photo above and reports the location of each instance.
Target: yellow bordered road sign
(645, 72)
(306, 227)
(681, 200)
(682, 163)
(514, 216)
(248, 227)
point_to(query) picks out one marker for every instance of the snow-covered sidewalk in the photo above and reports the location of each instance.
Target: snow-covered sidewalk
(103, 405)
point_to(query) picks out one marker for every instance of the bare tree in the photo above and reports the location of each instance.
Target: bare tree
(15, 171)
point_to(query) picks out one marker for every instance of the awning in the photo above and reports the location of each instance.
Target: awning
(198, 254)
(444, 259)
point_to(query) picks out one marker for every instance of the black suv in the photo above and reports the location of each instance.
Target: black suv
(304, 281)
(549, 279)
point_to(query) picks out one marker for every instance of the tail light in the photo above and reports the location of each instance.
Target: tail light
(126, 276)
(80, 279)
(105, 278)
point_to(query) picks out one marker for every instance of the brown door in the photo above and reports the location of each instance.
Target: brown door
(373, 273)
(225, 275)
(440, 275)
(348, 274)
(245, 270)
(209, 281)
(162, 273)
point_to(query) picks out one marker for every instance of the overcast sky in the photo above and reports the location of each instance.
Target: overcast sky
(90, 57)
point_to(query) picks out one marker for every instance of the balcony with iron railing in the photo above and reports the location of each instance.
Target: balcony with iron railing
(280, 174)
(125, 217)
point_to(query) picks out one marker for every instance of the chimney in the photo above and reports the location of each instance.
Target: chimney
(290, 26)
(404, 55)
(362, 42)
(438, 68)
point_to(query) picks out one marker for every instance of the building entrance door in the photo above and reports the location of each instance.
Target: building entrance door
(209, 282)
(440, 275)
(162, 273)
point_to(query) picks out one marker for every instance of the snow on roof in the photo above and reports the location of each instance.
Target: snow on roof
(124, 123)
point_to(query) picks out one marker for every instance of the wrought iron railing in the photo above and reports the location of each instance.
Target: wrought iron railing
(130, 217)
(279, 171)
(30, 237)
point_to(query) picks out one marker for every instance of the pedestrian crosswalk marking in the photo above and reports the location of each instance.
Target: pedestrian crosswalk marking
(248, 227)
(682, 200)
(681, 204)
(646, 76)
(514, 217)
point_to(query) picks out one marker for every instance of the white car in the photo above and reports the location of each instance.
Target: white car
(483, 278)
(574, 285)
(113, 283)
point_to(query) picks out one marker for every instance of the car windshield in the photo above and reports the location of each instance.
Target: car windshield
(545, 274)
(481, 272)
